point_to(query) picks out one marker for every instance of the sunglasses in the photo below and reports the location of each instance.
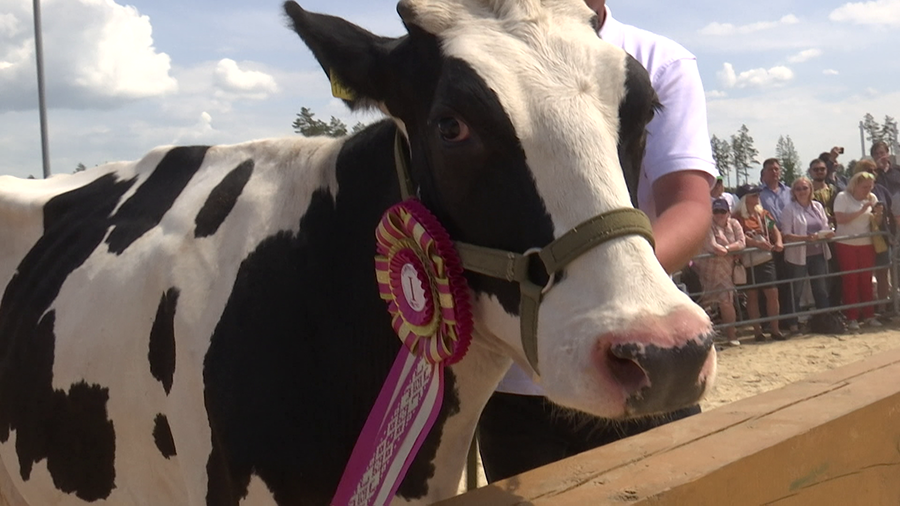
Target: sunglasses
(719, 211)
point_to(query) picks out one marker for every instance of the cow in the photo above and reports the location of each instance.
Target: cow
(204, 326)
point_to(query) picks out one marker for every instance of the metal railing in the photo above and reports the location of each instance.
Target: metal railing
(892, 299)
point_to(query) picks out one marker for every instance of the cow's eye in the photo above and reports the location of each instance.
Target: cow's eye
(452, 129)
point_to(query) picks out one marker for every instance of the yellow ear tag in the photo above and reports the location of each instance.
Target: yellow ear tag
(338, 90)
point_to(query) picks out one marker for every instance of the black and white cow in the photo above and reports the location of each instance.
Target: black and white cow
(203, 326)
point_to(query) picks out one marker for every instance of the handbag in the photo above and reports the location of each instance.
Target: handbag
(740, 274)
(760, 256)
(754, 258)
(877, 240)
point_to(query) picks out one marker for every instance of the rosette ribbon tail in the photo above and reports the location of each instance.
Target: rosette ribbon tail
(398, 424)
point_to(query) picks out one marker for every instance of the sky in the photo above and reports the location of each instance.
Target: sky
(123, 77)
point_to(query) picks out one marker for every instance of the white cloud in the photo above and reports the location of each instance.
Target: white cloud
(805, 55)
(10, 25)
(878, 12)
(201, 131)
(716, 94)
(716, 28)
(252, 83)
(754, 78)
(830, 72)
(98, 54)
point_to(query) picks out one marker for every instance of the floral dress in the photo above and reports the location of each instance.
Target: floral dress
(716, 272)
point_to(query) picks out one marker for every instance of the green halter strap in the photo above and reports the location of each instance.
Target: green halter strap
(555, 256)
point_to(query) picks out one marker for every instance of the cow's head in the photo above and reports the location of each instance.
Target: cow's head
(520, 121)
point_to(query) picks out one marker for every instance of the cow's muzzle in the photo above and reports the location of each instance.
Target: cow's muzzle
(657, 379)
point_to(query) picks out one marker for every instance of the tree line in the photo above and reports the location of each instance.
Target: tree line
(307, 125)
(737, 155)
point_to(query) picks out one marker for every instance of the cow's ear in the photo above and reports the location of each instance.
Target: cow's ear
(355, 60)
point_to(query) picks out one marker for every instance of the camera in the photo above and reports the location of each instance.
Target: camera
(841, 151)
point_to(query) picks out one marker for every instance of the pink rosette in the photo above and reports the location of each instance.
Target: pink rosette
(420, 277)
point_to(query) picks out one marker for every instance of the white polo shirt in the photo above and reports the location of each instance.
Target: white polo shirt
(677, 137)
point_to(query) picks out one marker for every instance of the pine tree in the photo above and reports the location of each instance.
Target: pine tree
(721, 152)
(889, 133)
(790, 160)
(743, 154)
(337, 128)
(872, 129)
(306, 124)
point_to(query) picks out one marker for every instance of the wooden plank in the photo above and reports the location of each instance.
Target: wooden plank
(833, 438)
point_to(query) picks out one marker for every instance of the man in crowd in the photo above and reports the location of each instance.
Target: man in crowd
(775, 195)
(835, 169)
(823, 191)
(887, 174)
(519, 429)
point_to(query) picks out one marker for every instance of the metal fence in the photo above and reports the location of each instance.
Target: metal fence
(804, 311)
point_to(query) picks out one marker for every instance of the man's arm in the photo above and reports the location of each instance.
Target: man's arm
(683, 216)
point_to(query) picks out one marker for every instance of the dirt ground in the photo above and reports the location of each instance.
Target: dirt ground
(753, 368)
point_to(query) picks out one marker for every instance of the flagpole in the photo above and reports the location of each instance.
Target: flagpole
(42, 105)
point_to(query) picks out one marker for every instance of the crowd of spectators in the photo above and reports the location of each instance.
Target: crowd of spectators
(832, 230)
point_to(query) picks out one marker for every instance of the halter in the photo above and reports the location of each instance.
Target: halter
(555, 256)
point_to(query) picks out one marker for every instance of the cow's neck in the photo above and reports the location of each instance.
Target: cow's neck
(471, 381)
(477, 376)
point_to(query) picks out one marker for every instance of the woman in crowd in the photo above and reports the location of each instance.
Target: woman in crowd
(717, 273)
(883, 222)
(760, 232)
(804, 221)
(852, 213)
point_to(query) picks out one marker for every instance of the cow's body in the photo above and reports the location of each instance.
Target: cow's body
(246, 311)
(204, 326)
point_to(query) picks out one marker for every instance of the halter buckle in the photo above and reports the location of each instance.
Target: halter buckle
(552, 275)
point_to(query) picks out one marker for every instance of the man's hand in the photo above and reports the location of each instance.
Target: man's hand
(835, 153)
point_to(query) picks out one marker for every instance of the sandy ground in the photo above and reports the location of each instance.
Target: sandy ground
(753, 368)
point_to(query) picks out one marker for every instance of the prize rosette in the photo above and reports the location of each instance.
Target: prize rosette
(420, 277)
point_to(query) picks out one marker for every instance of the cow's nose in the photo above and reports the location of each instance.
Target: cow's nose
(659, 363)
(660, 379)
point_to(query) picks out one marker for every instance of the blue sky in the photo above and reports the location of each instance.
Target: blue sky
(124, 77)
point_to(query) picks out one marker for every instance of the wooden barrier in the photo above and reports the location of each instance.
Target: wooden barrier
(832, 439)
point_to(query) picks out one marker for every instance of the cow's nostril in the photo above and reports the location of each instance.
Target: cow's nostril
(627, 372)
